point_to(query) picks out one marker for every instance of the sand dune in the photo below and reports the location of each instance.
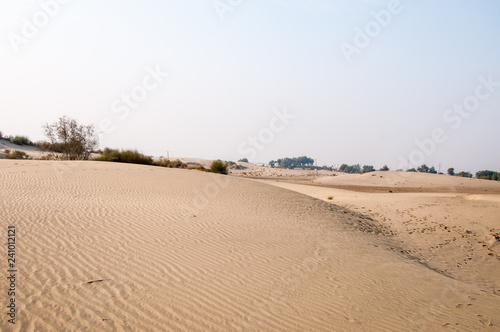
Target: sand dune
(118, 247)
(454, 234)
(408, 182)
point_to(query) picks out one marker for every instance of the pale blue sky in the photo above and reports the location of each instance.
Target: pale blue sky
(227, 76)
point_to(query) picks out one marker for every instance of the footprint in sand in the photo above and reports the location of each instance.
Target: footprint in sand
(485, 321)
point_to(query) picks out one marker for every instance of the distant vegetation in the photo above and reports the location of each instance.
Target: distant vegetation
(488, 175)
(451, 171)
(368, 169)
(350, 168)
(465, 174)
(358, 169)
(218, 166)
(18, 140)
(21, 140)
(66, 136)
(425, 169)
(15, 154)
(124, 156)
(290, 163)
(163, 162)
(77, 142)
(175, 164)
(135, 157)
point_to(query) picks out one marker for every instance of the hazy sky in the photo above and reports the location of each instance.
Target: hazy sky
(370, 82)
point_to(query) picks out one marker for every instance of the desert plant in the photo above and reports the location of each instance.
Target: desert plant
(465, 174)
(384, 169)
(162, 162)
(350, 169)
(368, 169)
(21, 140)
(178, 164)
(488, 175)
(15, 154)
(243, 160)
(125, 156)
(76, 141)
(423, 169)
(197, 167)
(451, 171)
(218, 166)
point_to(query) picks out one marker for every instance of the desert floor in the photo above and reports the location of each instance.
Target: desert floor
(120, 247)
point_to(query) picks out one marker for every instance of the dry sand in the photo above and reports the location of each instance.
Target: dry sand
(118, 247)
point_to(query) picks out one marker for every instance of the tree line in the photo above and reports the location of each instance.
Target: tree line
(297, 162)
(358, 169)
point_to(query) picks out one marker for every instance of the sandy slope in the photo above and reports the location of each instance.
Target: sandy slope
(457, 235)
(409, 182)
(31, 151)
(180, 250)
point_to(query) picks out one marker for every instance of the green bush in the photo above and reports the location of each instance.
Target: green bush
(218, 166)
(21, 140)
(125, 156)
(163, 162)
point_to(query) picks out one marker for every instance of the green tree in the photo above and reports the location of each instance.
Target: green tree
(350, 168)
(384, 169)
(368, 169)
(423, 169)
(244, 160)
(464, 174)
(301, 162)
(451, 171)
(487, 175)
